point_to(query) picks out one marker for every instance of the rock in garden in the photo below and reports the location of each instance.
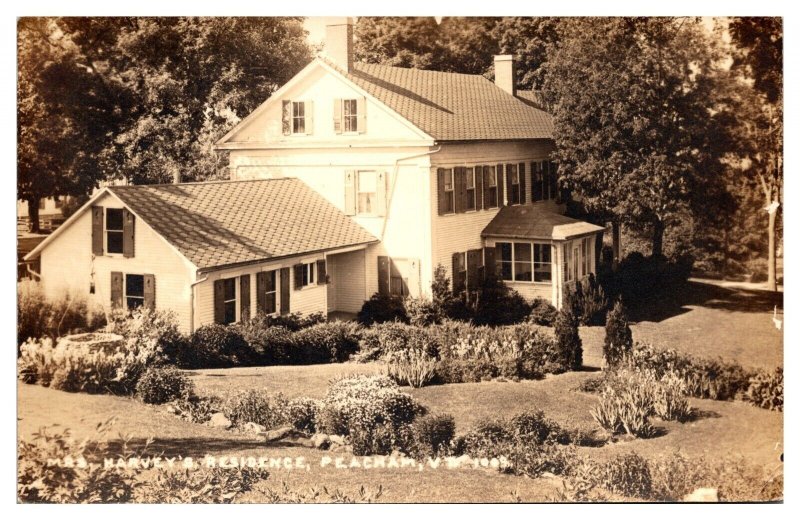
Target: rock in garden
(320, 440)
(218, 420)
(337, 439)
(702, 495)
(254, 428)
(279, 433)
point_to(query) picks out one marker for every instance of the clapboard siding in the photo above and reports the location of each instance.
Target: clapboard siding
(347, 290)
(67, 265)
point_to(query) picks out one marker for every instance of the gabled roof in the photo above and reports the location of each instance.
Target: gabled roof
(531, 221)
(216, 224)
(450, 106)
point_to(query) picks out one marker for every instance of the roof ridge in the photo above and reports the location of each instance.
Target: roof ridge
(198, 183)
(433, 71)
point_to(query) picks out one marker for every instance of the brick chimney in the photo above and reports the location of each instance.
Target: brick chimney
(505, 73)
(339, 42)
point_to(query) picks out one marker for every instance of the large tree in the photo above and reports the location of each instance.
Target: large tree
(639, 136)
(758, 57)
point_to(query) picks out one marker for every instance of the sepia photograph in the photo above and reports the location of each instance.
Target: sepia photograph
(399, 259)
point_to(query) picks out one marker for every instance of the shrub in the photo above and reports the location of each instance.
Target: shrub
(487, 438)
(534, 427)
(627, 474)
(381, 308)
(293, 322)
(532, 460)
(450, 306)
(33, 311)
(766, 390)
(160, 385)
(256, 406)
(303, 413)
(269, 344)
(568, 342)
(38, 317)
(619, 340)
(433, 434)
(217, 346)
(625, 407)
(325, 342)
(669, 398)
(497, 304)
(423, 312)
(384, 339)
(35, 363)
(588, 301)
(542, 313)
(202, 486)
(145, 329)
(411, 367)
(197, 409)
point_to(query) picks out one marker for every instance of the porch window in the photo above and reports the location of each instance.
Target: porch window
(367, 189)
(514, 193)
(270, 302)
(229, 299)
(505, 260)
(350, 115)
(585, 248)
(449, 192)
(567, 261)
(134, 291)
(298, 117)
(542, 263)
(491, 189)
(114, 230)
(471, 191)
(523, 264)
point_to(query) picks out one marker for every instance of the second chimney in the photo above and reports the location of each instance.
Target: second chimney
(339, 43)
(505, 73)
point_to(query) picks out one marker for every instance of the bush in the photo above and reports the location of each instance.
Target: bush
(669, 398)
(588, 301)
(35, 363)
(534, 427)
(532, 460)
(639, 278)
(433, 434)
(324, 343)
(269, 344)
(144, 329)
(198, 409)
(619, 340)
(625, 406)
(384, 339)
(303, 413)
(627, 474)
(423, 312)
(411, 367)
(497, 304)
(381, 308)
(449, 305)
(542, 313)
(217, 346)
(160, 385)
(766, 390)
(568, 342)
(38, 317)
(256, 406)
(293, 322)
(203, 486)
(487, 438)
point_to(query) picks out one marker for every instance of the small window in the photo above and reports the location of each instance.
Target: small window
(505, 260)
(471, 191)
(459, 272)
(586, 257)
(567, 261)
(271, 301)
(298, 117)
(367, 189)
(542, 263)
(449, 192)
(114, 230)
(491, 186)
(229, 299)
(134, 291)
(308, 274)
(350, 115)
(513, 173)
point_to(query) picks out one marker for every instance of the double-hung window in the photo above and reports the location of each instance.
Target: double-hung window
(350, 115)
(471, 191)
(542, 263)
(229, 299)
(271, 290)
(524, 262)
(308, 274)
(567, 261)
(367, 190)
(114, 233)
(449, 191)
(491, 186)
(298, 117)
(514, 196)
(134, 291)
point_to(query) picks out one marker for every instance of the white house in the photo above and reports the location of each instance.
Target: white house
(371, 175)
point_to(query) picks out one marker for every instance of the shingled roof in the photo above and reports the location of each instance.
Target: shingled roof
(452, 107)
(215, 224)
(530, 221)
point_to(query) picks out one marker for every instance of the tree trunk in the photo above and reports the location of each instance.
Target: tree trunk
(658, 238)
(772, 281)
(33, 215)
(615, 242)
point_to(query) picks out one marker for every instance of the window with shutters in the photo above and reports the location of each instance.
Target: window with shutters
(367, 192)
(229, 300)
(271, 289)
(471, 191)
(449, 192)
(298, 117)
(350, 115)
(134, 291)
(545, 182)
(114, 231)
(524, 261)
(491, 186)
(514, 195)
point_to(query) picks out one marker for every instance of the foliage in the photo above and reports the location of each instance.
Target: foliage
(256, 406)
(589, 301)
(619, 339)
(286, 495)
(413, 367)
(423, 312)
(496, 304)
(327, 342)
(626, 474)
(433, 434)
(766, 390)
(201, 486)
(303, 413)
(568, 342)
(197, 409)
(534, 427)
(38, 317)
(144, 328)
(293, 321)
(638, 278)
(270, 344)
(381, 308)
(216, 346)
(451, 306)
(159, 385)
(542, 313)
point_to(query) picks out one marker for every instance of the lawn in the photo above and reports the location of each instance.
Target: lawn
(734, 324)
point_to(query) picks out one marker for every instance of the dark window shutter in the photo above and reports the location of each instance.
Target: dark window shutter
(523, 198)
(500, 186)
(361, 107)
(128, 230)
(486, 180)
(322, 272)
(298, 276)
(439, 190)
(459, 185)
(337, 116)
(459, 281)
(116, 289)
(219, 301)
(474, 264)
(261, 291)
(479, 203)
(536, 181)
(509, 189)
(380, 194)
(383, 275)
(286, 119)
(350, 192)
(490, 260)
(97, 230)
(150, 291)
(285, 292)
(244, 292)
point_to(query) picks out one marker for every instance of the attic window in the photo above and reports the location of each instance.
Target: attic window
(298, 117)
(114, 233)
(350, 115)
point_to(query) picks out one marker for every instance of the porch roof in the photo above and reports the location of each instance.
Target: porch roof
(530, 222)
